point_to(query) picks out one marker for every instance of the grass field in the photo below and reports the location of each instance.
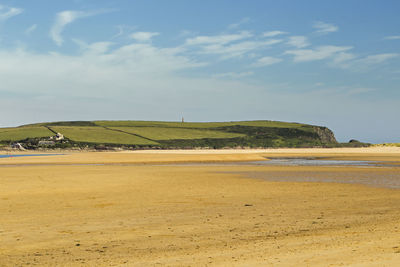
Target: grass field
(171, 134)
(276, 124)
(21, 133)
(162, 133)
(100, 135)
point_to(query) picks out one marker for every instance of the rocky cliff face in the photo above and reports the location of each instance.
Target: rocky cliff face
(325, 134)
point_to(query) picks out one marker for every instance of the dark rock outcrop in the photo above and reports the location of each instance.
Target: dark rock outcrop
(325, 134)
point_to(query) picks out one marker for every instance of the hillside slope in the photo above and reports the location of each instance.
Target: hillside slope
(158, 134)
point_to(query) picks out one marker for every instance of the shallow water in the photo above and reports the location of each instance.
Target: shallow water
(371, 173)
(292, 162)
(385, 178)
(314, 162)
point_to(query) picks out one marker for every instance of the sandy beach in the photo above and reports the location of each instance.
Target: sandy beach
(142, 209)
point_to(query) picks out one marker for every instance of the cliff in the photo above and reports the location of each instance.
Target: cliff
(325, 134)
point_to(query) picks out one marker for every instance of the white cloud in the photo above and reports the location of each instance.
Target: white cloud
(63, 19)
(319, 53)
(94, 48)
(238, 24)
(324, 28)
(298, 41)
(393, 37)
(218, 39)
(234, 75)
(266, 61)
(273, 33)
(96, 68)
(67, 17)
(9, 12)
(237, 49)
(31, 29)
(350, 61)
(143, 36)
(343, 57)
(227, 45)
(377, 59)
(122, 29)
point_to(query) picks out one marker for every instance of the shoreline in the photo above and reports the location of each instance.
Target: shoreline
(371, 149)
(385, 154)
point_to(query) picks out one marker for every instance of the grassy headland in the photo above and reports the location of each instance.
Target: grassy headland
(169, 135)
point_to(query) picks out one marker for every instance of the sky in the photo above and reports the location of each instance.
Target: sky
(334, 63)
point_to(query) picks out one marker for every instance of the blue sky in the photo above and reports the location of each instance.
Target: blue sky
(332, 63)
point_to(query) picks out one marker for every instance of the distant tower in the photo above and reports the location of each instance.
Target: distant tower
(183, 120)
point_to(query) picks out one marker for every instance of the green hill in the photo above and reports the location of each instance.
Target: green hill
(159, 134)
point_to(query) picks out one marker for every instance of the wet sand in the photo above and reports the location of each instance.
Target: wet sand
(57, 213)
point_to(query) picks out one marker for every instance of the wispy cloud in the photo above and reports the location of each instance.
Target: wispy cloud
(228, 45)
(351, 62)
(266, 61)
(67, 17)
(122, 29)
(377, 59)
(63, 19)
(94, 48)
(343, 59)
(237, 49)
(234, 75)
(319, 53)
(393, 37)
(119, 33)
(273, 33)
(240, 23)
(218, 39)
(298, 41)
(324, 28)
(143, 36)
(31, 29)
(9, 12)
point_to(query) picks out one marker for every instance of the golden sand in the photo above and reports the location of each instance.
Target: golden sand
(167, 215)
